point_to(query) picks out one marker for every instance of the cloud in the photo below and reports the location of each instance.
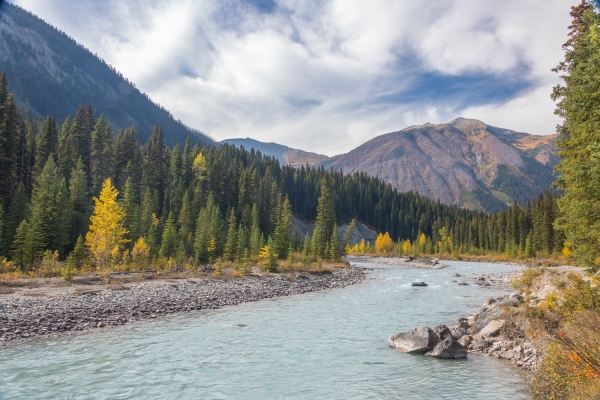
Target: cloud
(327, 75)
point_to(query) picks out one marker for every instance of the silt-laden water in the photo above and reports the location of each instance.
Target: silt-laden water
(325, 345)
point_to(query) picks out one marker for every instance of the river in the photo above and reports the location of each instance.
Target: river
(324, 345)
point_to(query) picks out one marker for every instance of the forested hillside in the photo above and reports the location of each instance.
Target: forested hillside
(51, 74)
(198, 204)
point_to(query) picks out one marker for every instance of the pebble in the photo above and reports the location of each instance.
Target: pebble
(29, 317)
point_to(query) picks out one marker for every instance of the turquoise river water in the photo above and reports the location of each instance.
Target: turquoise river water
(325, 345)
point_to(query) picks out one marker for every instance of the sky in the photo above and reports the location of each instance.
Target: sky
(328, 75)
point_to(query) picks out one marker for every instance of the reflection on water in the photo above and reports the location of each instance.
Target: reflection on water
(329, 345)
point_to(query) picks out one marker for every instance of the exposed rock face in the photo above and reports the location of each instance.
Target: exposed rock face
(417, 340)
(464, 162)
(448, 348)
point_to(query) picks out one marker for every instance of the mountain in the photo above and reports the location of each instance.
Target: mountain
(51, 74)
(464, 162)
(285, 155)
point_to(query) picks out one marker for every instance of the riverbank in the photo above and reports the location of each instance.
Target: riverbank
(409, 262)
(45, 310)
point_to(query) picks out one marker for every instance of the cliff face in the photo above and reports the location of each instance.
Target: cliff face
(464, 162)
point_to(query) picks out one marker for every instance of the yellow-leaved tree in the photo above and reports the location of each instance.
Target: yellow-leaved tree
(107, 234)
(384, 243)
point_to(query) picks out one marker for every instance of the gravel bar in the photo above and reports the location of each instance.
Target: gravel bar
(23, 318)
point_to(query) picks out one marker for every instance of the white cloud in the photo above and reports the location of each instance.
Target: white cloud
(311, 74)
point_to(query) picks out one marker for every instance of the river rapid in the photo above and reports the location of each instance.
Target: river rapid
(324, 345)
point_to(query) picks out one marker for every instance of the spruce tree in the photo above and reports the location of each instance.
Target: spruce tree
(43, 201)
(170, 239)
(325, 218)
(46, 143)
(229, 251)
(256, 238)
(349, 235)
(9, 133)
(64, 218)
(15, 215)
(283, 228)
(336, 251)
(578, 102)
(101, 154)
(79, 200)
(130, 207)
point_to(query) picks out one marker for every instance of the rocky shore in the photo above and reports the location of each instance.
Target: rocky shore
(497, 281)
(23, 318)
(409, 262)
(492, 331)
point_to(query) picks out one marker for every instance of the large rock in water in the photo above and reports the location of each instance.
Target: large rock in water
(420, 339)
(489, 311)
(448, 348)
(442, 332)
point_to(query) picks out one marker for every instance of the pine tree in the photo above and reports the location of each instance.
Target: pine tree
(46, 144)
(349, 235)
(1, 229)
(269, 257)
(130, 207)
(256, 238)
(325, 218)
(106, 229)
(336, 251)
(64, 218)
(242, 244)
(229, 252)
(15, 215)
(9, 132)
(26, 148)
(186, 223)
(101, 154)
(578, 102)
(76, 143)
(127, 159)
(283, 228)
(19, 252)
(78, 254)
(27, 246)
(155, 168)
(79, 200)
(43, 202)
(170, 239)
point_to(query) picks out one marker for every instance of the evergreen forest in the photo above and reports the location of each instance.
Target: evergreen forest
(199, 204)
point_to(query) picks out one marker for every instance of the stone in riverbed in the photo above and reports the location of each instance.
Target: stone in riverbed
(492, 328)
(448, 348)
(442, 332)
(465, 340)
(420, 339)
(458, 332)
(479, 345)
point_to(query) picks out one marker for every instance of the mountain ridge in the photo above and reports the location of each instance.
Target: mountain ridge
(465, 162)
(51, 74)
